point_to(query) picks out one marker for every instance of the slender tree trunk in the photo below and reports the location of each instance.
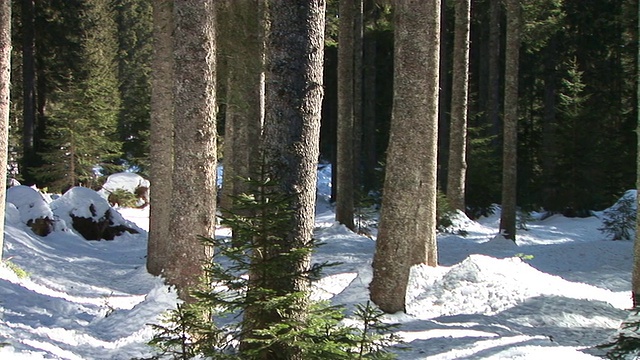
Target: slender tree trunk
(370, 161)
(457, 170)
(28, 87)
(407, 232)
(358, 40)
(549, 129)
(346, 152)
(509, 157)
(5, 84)
(193, 210)
(293, 99)
(161, 137)
(493, 99)
(635, 280)
(245, 97)
(444, 116)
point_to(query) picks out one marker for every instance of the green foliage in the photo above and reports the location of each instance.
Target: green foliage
(483, 173)
(123, 198)
(626, 344)
(443, 212)
(134, 22)
(619, 221)
(365, 211)
(524, 256)
(20, 272)
(242, 282)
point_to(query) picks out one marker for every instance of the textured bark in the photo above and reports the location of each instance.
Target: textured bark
(407, 231)
(5, 77)
(293, 99)
(345, 168)
(635, 276)
(510, 137)
(193, 212)
(161, 137)
(457, 170)
(244, 43)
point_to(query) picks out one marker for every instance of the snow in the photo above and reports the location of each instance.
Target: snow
(561, 290)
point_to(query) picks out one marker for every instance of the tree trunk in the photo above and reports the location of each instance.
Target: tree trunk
(5, 84)
(457, 170)
(193, 206)
(510, 141)
(493, 105)
(293, 99)
(407, 232)
(635, 280)
(370, 161)
(161, 137)
(28, 88)
(345, 186)
(245, 97)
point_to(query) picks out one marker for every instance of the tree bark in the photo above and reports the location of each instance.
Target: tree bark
(345, 168)
(5, 84)
(457, 170)
(193, 199)
(510, 137)
(293, 99)
(245, 97)
(407, 232)
(635, 278)
(161, 137)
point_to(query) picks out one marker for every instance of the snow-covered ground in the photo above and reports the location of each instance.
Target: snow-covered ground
(563, 289)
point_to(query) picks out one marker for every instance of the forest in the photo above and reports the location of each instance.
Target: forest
(419, 110)
(80, 75)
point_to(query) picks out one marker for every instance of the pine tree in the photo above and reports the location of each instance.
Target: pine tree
(134, 20)
(407, 231)
(5, 82)
(82, 129)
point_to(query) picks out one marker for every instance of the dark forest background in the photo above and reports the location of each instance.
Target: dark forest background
(81, 91)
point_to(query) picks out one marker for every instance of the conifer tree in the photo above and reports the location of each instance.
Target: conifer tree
(5, 81)
(407, 231)
(82, 131)
(134, 20)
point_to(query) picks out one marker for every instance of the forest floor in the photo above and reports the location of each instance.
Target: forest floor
(563, 289)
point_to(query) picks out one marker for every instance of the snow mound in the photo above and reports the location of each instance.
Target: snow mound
(29, 202)
(485, 285)
(83, 202)
(125, 180)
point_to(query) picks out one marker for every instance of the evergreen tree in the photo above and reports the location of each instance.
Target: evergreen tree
(407, 228)
(161, 147)
(81, 132)
(194, 145)
(134, 18)
(509, 163)
(5, 82)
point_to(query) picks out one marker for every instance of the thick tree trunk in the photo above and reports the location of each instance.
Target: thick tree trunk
(293, 99)
(161, 137)
(345, 186)
(457, 170)
(5, 84)
(193, 200)
(407, 233)
(510, 141)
